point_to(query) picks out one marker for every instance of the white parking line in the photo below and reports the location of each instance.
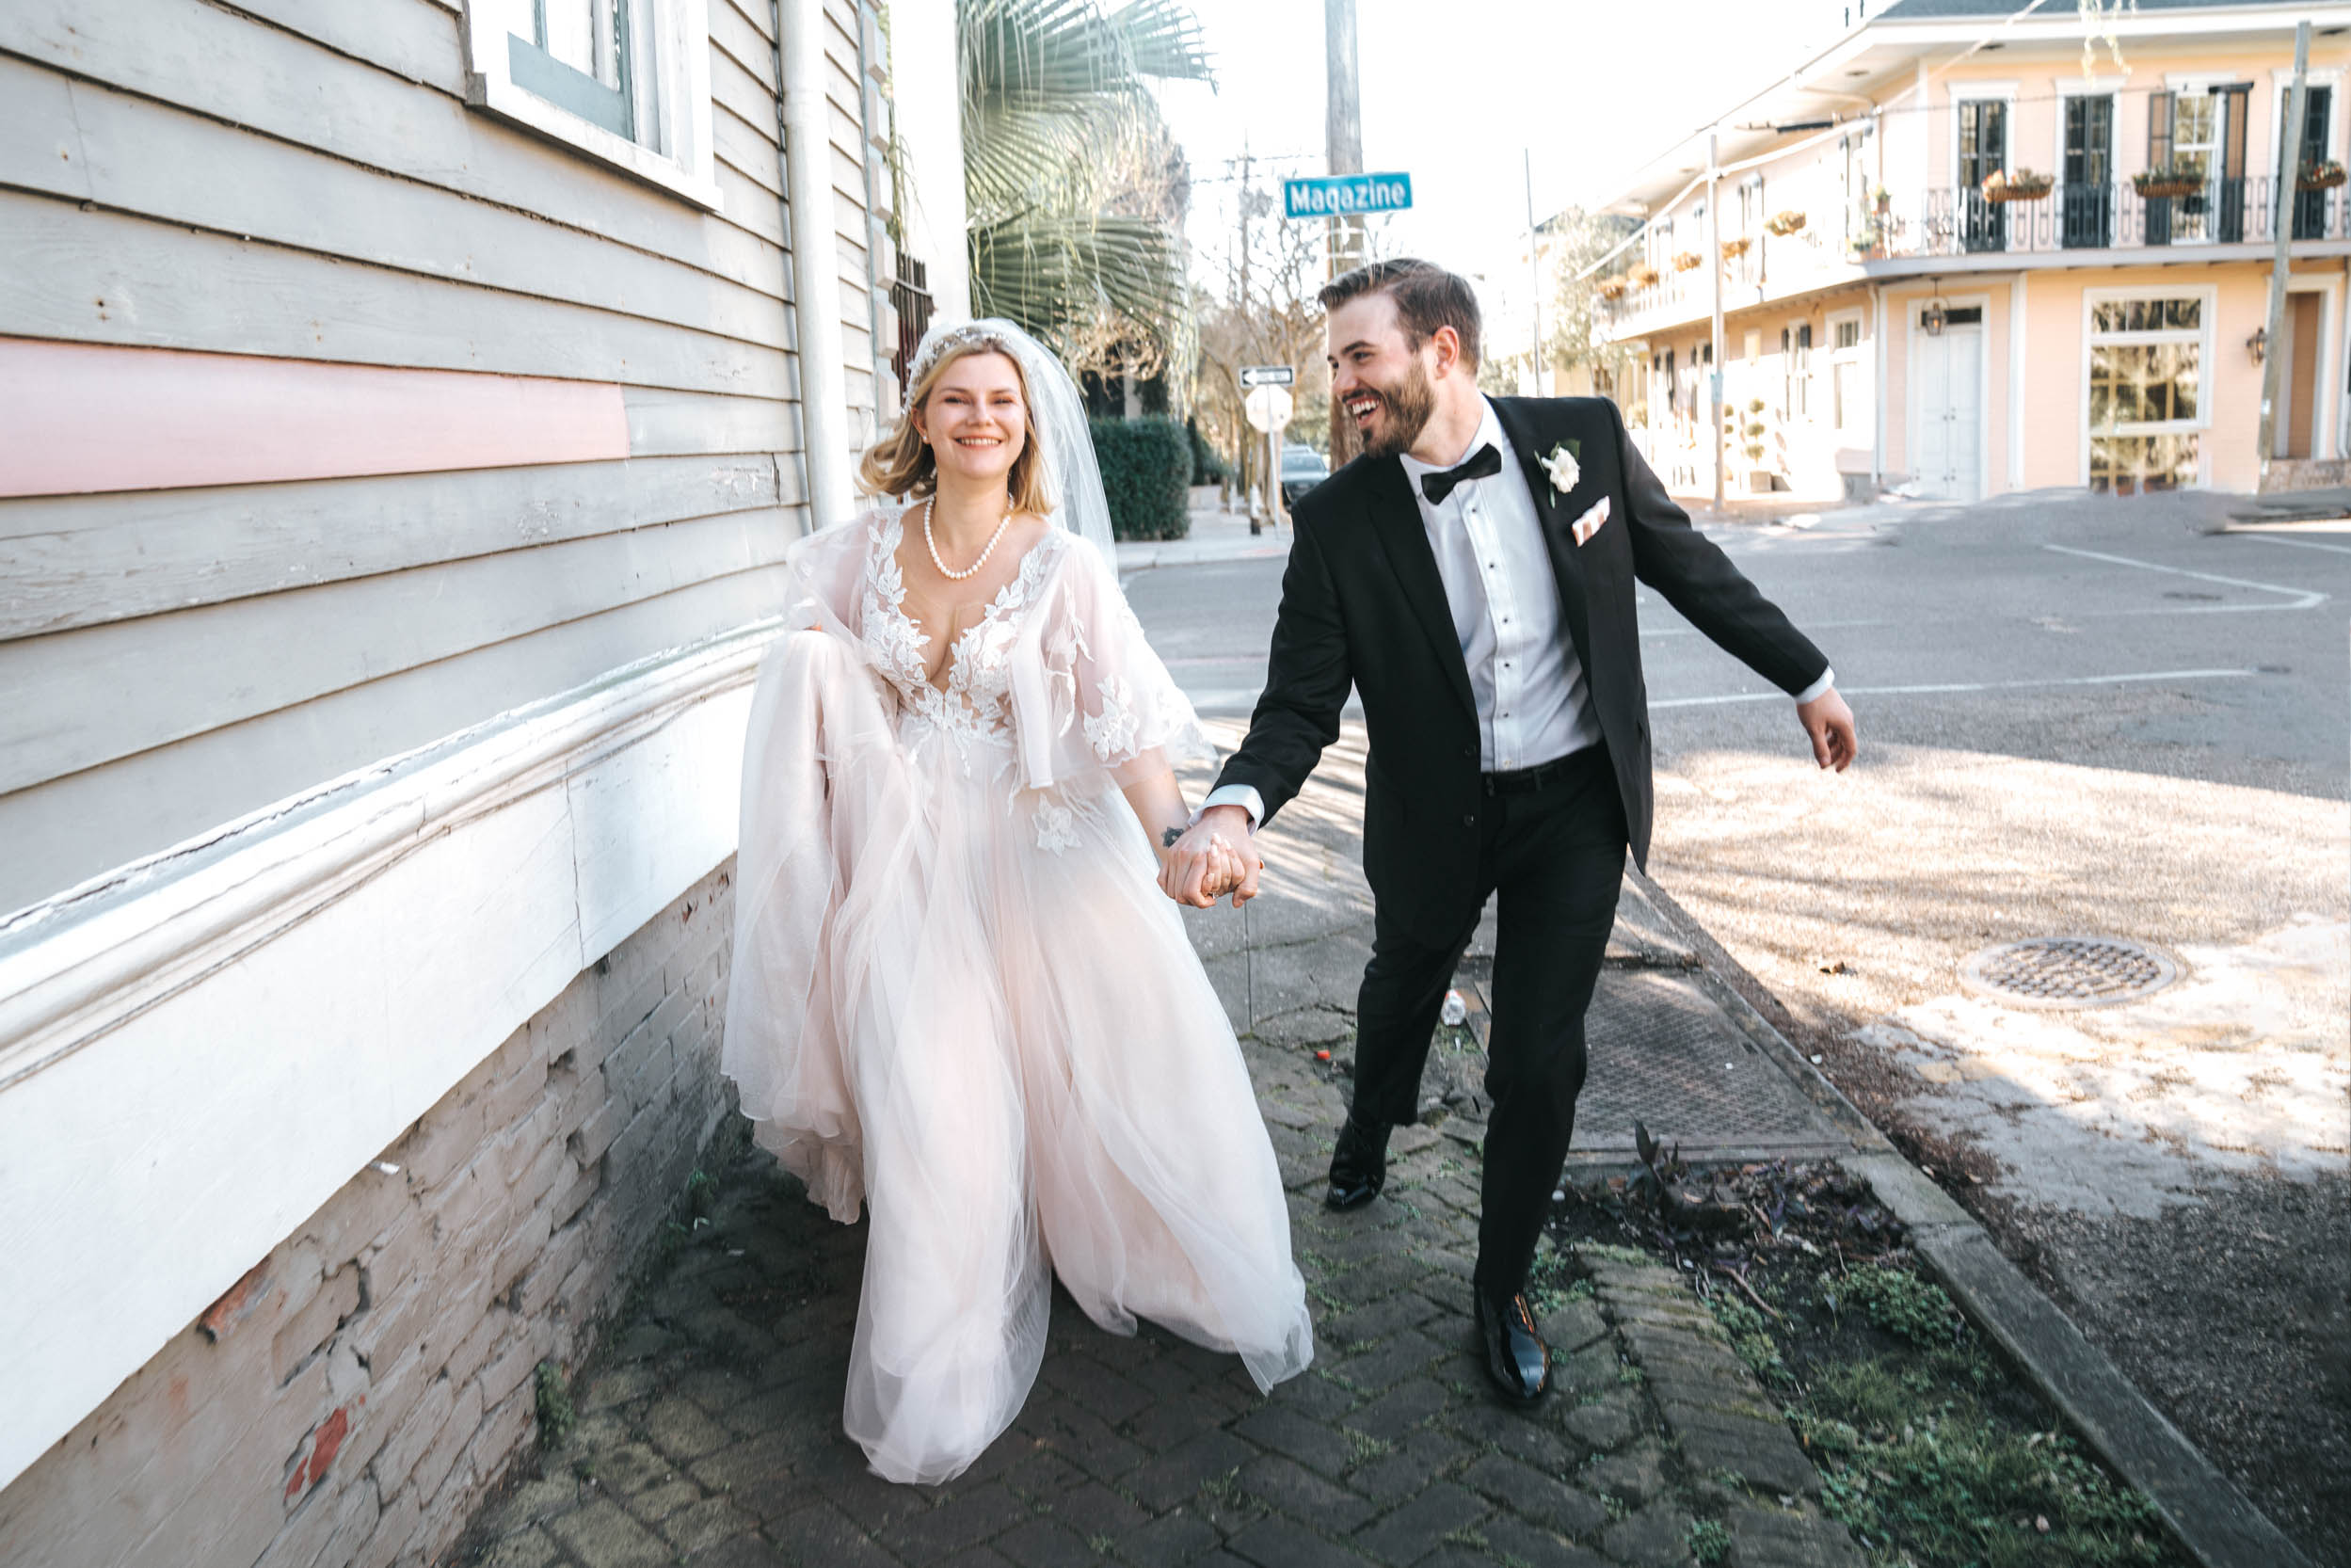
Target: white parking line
(1941, 687)
(2304, 598)
(2300, 544)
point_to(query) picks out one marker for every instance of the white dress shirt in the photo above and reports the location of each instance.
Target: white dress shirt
(1528, 685)
(1532, 702)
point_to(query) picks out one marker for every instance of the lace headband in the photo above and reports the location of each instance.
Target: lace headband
(971, 334)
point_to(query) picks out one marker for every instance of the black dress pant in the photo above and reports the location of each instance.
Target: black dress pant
(1555, 855)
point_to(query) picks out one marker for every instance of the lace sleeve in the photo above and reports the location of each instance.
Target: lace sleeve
(1109, 703)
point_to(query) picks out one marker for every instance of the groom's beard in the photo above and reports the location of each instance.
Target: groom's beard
(1406, 407)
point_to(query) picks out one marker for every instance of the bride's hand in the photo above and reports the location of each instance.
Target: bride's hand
(1224, 874)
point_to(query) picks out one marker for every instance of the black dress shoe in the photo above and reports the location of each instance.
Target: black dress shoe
(1516, 1358)
(1359, 1166)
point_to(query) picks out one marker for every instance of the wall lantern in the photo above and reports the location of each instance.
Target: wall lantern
(1933, 318)
(2258, 345)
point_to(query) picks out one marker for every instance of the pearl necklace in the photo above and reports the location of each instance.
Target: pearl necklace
(928, 505)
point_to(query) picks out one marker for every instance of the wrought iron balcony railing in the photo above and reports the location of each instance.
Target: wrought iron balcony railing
(1945, 222)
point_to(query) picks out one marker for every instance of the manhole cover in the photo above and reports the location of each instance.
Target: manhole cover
(2068, 971)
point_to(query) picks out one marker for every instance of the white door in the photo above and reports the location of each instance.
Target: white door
(1950, 400)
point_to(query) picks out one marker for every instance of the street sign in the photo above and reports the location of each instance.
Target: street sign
(1342, 194)
(1267, 408)
(1268, 375)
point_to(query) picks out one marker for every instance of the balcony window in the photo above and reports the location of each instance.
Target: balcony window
(2087, 196)
(2145, 392)
(2199, 134)
(2309, 206)
(1983, 144)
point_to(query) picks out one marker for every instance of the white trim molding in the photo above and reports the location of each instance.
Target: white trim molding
(2207, 316)
(1912, 304)
(670, 96)
(198, 1050)
(2016, 381)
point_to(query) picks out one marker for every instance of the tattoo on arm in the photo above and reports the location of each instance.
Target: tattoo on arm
(1169, 835)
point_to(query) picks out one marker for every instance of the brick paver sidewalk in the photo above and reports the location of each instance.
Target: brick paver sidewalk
(710, 1430)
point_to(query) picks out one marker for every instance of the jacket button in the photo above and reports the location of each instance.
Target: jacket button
(1470, 820)
(1469, 754)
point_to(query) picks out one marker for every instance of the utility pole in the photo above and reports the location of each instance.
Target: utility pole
(1241, 201)
(1534, 274)
(1342, 124)
(1342, 130)
(2289, 172)
(1714, 271)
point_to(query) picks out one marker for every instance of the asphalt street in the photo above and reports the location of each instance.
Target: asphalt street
(2054, 625)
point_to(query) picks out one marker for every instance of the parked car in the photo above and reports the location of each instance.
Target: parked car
(1303, 469)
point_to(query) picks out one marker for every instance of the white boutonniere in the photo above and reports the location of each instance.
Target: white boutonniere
(1562, 468)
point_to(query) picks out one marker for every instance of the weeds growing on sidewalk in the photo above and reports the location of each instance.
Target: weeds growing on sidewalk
(1931, 1450)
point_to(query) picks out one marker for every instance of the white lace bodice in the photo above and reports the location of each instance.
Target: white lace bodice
(976, 702)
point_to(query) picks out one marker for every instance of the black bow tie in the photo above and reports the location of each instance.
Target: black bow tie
(1484, 463)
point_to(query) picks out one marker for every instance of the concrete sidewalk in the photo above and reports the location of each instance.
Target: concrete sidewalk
(710, 1427)
(1216, 535)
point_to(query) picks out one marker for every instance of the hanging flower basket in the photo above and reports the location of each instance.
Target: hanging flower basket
(1687, 261)
(2020, 185)
(1738, 246)
(2325, 176)
(1643, 276)
(1610, 288)
(2164, 184)
(1784, 224)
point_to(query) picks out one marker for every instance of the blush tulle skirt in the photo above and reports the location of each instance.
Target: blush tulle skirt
(966, 1007)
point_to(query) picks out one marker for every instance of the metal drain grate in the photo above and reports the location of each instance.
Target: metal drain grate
(2068, 971)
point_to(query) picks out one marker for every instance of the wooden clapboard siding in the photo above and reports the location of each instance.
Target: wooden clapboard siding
(743, 148)
(415, 39)
(736, 37)
(209, 61)
(304, 182)
(102, 277)
(86, 417)
(136, 156)
(73, 561)
(669, 424)
(171, 677)
(68, 830)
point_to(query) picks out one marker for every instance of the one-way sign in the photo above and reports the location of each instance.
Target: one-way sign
(1268, 375)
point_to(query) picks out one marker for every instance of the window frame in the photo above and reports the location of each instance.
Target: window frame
(2208, 298)
(671, 91)
(1842, 355)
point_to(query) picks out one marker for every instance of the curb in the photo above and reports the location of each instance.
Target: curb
(2202, 1508)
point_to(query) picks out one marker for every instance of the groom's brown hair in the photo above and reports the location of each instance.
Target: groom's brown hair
(1427, 298)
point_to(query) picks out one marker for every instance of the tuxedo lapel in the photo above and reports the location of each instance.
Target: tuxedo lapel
(1532, 442)
(1404, 539)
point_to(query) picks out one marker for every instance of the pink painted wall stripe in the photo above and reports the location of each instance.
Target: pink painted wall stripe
(76, 418)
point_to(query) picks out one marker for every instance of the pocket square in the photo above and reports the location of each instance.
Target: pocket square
(1586, 526)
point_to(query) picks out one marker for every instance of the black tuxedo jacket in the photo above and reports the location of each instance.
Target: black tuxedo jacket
(1362, 606)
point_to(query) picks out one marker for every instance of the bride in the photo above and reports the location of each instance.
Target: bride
(959, 999)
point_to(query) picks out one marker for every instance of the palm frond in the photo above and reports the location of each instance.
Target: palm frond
(1053, 91)
(1048, 271)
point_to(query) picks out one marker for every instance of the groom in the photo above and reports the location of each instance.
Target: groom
(1471, 577)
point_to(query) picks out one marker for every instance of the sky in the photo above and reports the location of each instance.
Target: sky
(1585, 92)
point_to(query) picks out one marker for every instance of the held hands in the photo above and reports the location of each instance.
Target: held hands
(1830, 723)
(1213, 858)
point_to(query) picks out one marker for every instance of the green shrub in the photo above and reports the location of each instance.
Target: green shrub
(1146, 474)
(1207, 467)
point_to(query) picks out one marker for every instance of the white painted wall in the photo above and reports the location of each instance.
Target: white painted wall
(196, 1056)
(927, 102)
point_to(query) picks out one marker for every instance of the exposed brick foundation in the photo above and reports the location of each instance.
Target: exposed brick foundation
(351, 1398)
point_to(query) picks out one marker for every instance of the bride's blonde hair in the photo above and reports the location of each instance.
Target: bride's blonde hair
(900, 464)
